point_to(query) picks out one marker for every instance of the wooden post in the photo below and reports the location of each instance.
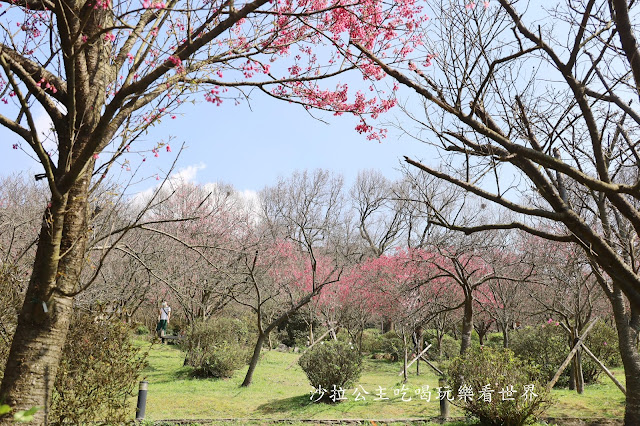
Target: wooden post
(570, 356)
(444, 402)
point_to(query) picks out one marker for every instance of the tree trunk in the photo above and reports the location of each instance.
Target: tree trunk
(572, 375)
(404, 364)
(254, 359)
(577, 359)
(505, 336)
(467, 326)
(44, 320)
(418, 347)
(481, 336)
(627, 335)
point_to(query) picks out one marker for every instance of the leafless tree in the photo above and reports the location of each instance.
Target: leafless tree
(379, 213)
(533, 111)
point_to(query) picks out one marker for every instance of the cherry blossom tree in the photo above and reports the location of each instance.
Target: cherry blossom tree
(104, 71)
(300, 232)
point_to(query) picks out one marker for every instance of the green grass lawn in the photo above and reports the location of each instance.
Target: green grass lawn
(279, 392)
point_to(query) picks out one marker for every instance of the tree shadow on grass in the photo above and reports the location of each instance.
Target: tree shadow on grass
(184, 372)
(287, 405)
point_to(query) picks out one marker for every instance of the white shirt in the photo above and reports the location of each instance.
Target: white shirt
(164, 313)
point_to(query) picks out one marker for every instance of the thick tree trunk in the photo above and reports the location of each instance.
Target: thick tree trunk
(254, 359)
(467, 326)
(627, 335)
(44, 320)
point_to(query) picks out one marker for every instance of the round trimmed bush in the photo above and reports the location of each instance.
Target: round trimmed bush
(486, 376)
(332, 364)
(217, 347)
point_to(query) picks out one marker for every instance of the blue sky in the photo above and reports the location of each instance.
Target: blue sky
(250, 148)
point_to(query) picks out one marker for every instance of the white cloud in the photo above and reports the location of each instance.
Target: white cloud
(186, 175)
(246, 200)
(251, 199)
(44, 127)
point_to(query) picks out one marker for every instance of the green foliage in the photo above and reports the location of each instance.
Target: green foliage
(545, 346)
(494, 340)
(602, 341)
(19, 416)
(98, 372)
(372, 341)
(332, 364)
(217, 347)
(25, 416)
(393, 345)
(296, 329)
(177, 325)
(497, 369)
(142, 330)
(450, 347)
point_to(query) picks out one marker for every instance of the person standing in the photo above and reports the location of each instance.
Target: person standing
(163, 319)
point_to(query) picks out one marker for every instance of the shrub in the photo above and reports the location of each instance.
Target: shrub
(98, 372)
(494, 340)
(393, 345)
(485, 373)
(545, 346)
(296, 328)
(602, 341)
(372, 342)
(331, 364)
(217, 347)
(450, 347)
(177, 325)
(142, 330)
